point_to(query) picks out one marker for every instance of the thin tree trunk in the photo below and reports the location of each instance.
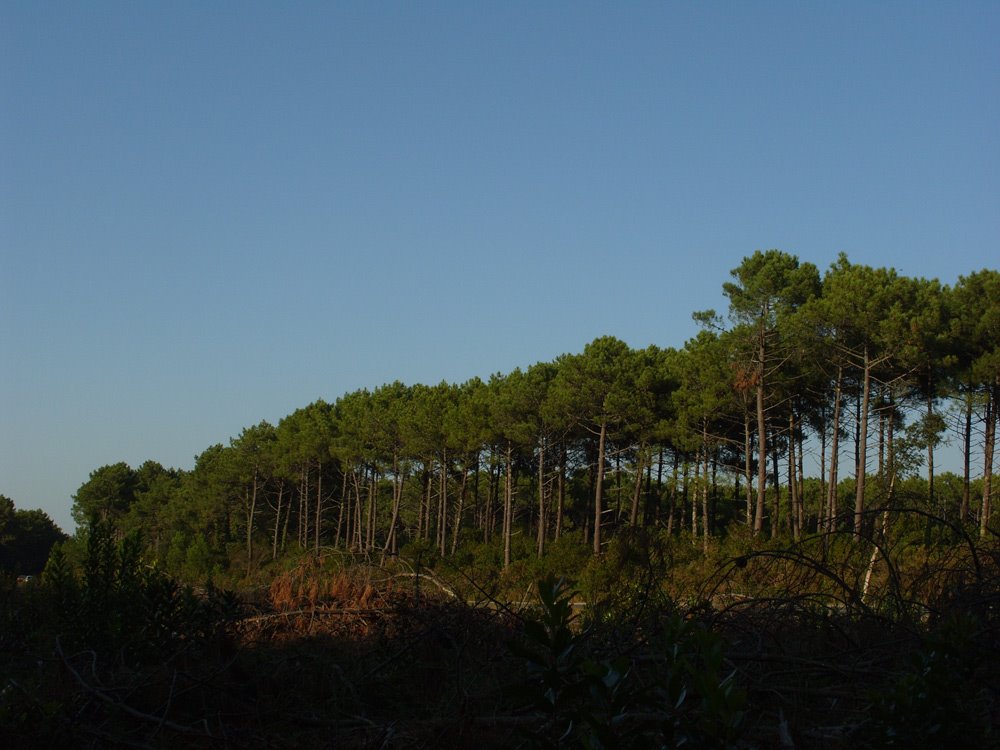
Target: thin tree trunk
(540, 539)
(277, 521)
(319, 504)
(695, 497)
(672, 500)
(371, 511)
(508, 505)
(391, 544)
(460, 509)
(250, 517)
(831, 503)
(963, 511)
(442, 532)
(560, 490)
(988, 451)
(930, 446)
(821, 510)
(658, 511)
(800, 491)
(758, 521)
(704, 488)
(776, 521)
(599, 488)
(859, 497)
(793, 495)
(343, 507)
(748, 468)
(637, 487)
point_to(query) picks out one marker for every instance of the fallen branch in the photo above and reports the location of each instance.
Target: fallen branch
(159, 721)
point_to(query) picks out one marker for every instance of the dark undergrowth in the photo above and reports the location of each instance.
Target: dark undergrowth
(829, 643)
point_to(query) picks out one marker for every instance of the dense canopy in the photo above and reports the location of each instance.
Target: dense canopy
(861, 369)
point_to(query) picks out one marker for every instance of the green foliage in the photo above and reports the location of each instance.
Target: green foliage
(89, 636)
(118, 606)
(26, 538)
(676, 696)
(935, 700)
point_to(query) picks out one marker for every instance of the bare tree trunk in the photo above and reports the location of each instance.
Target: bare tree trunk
(540, 539)
(637, 486)
(859, 497)
(831, 503)
(963, 511)
(371, 515)
(508, 505)
(821, 510)
(277, 521)
(599, 488)
(748, 468)
(442, 532)
(930, 446)
(391, 543)
(284, 531)
(672, 501)
(704, 488)
(776, 521)
(343, 507)
(801, 482)
(695, 496)
(250, 516)
(460, 509)
(988, 451)
(758, 521)
(560, 490)
(657, 512)
(793, 495)
(319, 503)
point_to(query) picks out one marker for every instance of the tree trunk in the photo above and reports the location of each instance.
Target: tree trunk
(672, 501)
(831, 503)
(560, 490)
(250, 517)
(821, 510)
(277, 521)
(343, 507)
(758, 521)
(930, 447)
(963, 512)
(391, 544)
(859, 497)
(508, 505)
(704, 488)
(319, 503)
(599, 488)
(776, 520)
(793, 495)
(460, 509)
(637, 486)
(988, 451)
(748, 468)
(442, 532)
(540, 539)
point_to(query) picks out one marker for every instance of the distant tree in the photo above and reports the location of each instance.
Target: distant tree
(597, 391)
(767, 286)
(106, 495)
(26, 538)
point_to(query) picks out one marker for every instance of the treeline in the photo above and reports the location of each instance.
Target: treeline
(859, 366)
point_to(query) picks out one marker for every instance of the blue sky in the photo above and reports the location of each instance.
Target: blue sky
(215, 213)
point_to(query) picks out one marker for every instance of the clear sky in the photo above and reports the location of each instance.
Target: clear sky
(215, 213)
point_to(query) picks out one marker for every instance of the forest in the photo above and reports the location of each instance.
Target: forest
(741, 542)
